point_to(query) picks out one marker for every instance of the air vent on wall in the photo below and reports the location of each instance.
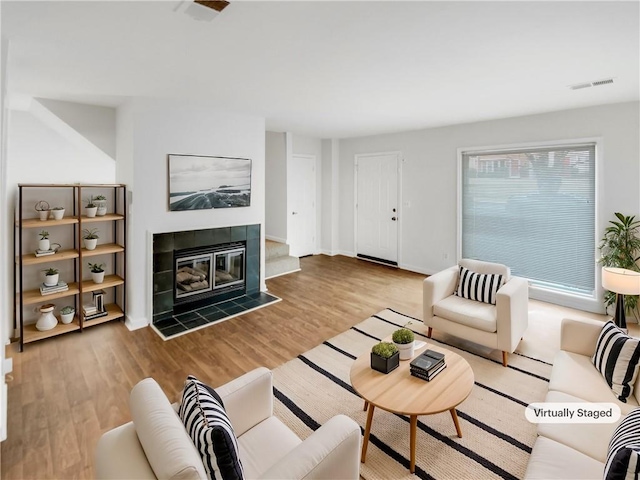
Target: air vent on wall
(595, 83)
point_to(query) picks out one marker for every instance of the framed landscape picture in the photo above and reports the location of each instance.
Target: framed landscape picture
(199, 182)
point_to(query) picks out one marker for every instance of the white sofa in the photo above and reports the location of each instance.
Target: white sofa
(156, 445)
(500, 326)
(576, 451)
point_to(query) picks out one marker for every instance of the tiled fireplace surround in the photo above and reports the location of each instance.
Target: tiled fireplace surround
(164, 245)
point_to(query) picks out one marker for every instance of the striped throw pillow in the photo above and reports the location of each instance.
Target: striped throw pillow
(480, 287)
(623, 459)
(616, 358)
(203, 415)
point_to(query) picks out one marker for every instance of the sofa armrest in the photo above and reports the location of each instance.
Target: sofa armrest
(331, 452)
(119, 455)
(580, 336)
(248, 399)
(512, 313)
(438, 287)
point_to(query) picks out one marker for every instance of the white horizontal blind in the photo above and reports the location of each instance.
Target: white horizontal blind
(534, 211)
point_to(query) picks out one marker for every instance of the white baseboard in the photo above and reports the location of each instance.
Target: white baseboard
(135, 324)
(346, 253)
(413, 268)
(275, 239)
(329, 253)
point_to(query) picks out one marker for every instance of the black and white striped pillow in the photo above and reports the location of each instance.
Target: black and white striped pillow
(481, 287)
(616, 358)
(203, 415)
(623, 459)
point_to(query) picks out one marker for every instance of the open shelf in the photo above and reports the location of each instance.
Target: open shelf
(37, 223)
(31, 259)
(113, 312)
(102, 250)
(32, 297)
(109, 217)
(32, 334)
(109, 281)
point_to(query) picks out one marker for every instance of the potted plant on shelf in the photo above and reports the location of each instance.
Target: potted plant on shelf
(100, 201)
(66, 314)
(51, 277)
(90, 209)
(620, 248)
(44, 243)
(404, 340)
(43, 209)
(90, 237)
(97, 272)
(57, 212)
(384, 357)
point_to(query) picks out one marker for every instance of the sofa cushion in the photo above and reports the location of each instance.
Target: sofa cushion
(616, 357)
(206, 421)
(623, 455)
(478, 315)
(574, 374)
(592, 439)
(550, 459)
(478, 286)
(165, 442)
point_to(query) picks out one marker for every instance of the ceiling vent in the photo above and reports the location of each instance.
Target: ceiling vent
(596, 83)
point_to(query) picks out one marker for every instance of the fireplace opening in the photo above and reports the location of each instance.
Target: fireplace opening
(211, 273)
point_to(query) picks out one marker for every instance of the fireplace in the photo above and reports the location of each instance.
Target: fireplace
(207, 273)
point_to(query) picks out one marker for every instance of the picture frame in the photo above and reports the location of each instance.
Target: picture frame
(200, 182)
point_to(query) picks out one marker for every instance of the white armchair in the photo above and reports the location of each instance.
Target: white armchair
(499, 326)
(156, 445)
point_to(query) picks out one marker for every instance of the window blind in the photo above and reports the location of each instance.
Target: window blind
(533, 210)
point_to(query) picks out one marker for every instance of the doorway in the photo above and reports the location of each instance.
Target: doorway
(302, 205)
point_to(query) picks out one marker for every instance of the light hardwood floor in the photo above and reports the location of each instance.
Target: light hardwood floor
(67, 391)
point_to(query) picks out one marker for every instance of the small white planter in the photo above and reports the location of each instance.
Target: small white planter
(67, 318)
(44, 215)
(406, 350)
(90, 243)
(102, 207)
(44, 244)
(97, 277)
(90, 212)
(57, 214)
(51, 280)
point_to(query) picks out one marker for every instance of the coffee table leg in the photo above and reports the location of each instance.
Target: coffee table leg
(367, 431)
(454, 415)
(412, 442)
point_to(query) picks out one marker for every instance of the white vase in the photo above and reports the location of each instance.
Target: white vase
(44, 215)
(51, 280)
(47, 319)
(57, 214)
(44, 244)
(90, 243)
(406, 350)
(90, 211)
(97, 277)
(67, 318)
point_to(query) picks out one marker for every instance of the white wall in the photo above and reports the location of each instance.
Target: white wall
(302, 145)
(5, 225)
(429, 173)
(159, 128)
(276, 187)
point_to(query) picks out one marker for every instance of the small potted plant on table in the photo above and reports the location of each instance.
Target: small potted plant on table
(57, 212)
(44, 243)
(43, 208)
(66, 314)
(100, 201)
(384, 357)
(404, 340)
(97, 272)
(90, 237)
(51, 277)
(90, 209)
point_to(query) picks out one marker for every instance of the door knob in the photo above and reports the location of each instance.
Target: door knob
(394, 210)
(393, 218)
(294, 213)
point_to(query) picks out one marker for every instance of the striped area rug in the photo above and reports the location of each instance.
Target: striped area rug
(497, 439)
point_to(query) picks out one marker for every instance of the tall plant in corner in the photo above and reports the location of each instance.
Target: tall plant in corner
(620, 247)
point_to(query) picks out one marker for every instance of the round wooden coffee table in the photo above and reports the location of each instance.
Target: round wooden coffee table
(399, 392)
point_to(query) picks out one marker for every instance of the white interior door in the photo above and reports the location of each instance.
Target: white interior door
(377, 207)
(302, 205)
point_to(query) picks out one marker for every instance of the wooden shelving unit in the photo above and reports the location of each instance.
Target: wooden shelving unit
(28, 293)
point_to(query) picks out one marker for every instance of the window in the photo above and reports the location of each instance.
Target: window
(533, 209)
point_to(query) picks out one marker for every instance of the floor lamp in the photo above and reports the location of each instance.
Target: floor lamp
(622, 282)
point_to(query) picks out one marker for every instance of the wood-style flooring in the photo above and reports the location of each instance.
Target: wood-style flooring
(68, 390)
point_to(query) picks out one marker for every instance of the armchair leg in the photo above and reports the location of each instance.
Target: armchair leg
(505, 359)
(429, 332)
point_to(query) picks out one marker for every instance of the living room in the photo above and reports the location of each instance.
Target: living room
(69, 118)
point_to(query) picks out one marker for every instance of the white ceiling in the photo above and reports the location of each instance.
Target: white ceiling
(331, 69)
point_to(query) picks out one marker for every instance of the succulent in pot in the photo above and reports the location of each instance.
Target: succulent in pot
(44, 243)
(51, 277)
(90, 237)
(384, 357)
(100, 201)
(66, 314)
(404, 339)
(43, 208)
(97, 272)
(90, 209)
(57, 212)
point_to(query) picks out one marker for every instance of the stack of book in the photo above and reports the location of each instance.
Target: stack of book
(51, 289)
(427, 365)
(42, 253)
(97, 308)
